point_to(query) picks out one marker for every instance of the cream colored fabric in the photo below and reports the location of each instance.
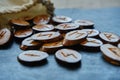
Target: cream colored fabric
(33, 11)
(20, 8)
(10, 6)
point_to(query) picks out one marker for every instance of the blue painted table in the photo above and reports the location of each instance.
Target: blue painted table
(93, 66)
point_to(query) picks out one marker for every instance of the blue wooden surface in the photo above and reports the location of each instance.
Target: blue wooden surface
(93, 66)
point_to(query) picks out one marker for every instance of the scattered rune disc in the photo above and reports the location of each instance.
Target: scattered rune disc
(68, 56)
(67, 26)
(19, 23)
(5, 36)
(91, 32)
(43, 27)
(41, 19)
(46, 36)
(91, 44)
(32, 56)
(29, 43)
(74, 37)
(111, 53)
(61, 19)
(52, 47)
(108, 37)
(23, 33)
(84, 24)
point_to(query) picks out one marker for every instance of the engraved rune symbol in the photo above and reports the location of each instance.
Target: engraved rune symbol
(90, 32)
(115, 50)
(81, 21)
(62, 18)
(2, 34)
(42, 26)
(109, 36)
(66, 55)
(66, 25)
(49, 35)
(34, 55)
(78, 34)
(92, 41)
